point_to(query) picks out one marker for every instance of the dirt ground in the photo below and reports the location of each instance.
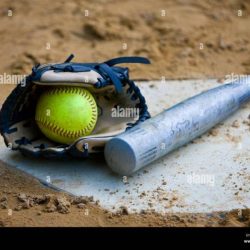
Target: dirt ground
(182, 38)
(24, 202)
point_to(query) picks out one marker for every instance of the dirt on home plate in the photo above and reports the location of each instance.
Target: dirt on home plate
(182, 38)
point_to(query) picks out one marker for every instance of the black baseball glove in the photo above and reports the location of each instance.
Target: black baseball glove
(109, 85)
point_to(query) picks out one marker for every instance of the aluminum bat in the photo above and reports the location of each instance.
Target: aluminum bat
(174, 127)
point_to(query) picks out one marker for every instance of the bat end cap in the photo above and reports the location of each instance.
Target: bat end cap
(120, 157)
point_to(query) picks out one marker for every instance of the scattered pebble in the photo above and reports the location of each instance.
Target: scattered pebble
(22, 197)
(4, 204)
(50, 208)
(213, 132)
(81, 205)
(4, 198)
(235, 124)
(63, 205)
(82, 199)
(18, 208)
(124, 210)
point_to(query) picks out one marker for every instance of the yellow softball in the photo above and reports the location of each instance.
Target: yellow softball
(64, 114)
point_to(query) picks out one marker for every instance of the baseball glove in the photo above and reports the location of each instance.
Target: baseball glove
(111, 87)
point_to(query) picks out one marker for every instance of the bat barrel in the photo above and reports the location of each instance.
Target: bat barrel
(174, 127)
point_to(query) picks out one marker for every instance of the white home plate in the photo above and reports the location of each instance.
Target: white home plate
(210, 174)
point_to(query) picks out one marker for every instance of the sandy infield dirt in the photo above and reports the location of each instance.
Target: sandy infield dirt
(183, 39)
